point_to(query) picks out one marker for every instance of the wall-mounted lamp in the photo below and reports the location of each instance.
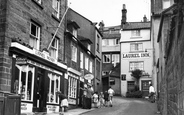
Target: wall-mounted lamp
(146, 50)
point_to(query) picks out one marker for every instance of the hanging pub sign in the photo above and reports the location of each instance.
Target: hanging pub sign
(88, 76)
(136, 55)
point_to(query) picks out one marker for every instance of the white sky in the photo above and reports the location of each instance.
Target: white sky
(110, 10)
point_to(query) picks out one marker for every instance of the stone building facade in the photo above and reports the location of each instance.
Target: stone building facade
(170, 57)
(32, 53)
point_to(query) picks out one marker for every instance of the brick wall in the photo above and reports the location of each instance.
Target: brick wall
(18, 15)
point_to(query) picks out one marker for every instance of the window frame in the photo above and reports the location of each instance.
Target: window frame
(136, 33)
(81, 60)
(56, 12)
(135, 66)
(136, 47)
(72, 86)
(74, 53)
(53, 77)
(35, 38)
(106, 59)
(54, 47)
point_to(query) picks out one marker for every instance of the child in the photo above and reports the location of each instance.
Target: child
(101, 99)
(95, 99)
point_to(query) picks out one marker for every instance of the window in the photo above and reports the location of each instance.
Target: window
(105, 42)
(54, 48)
(53, 86)
(98, 44)
(34, 40)
(136, 33)
(90, 66)
(106, 58)
(74, 53)
(39, 1)
(81, 60)
(24, 79)
(86, 63)
(131, 86)
(136, 47)
(72, 86)
(56, 6)
(112, 82)
(89, 47)
(74, 32)
(115, 59)
(117, 41)
(136, 65)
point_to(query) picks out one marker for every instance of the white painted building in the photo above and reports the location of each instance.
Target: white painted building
(136, 53)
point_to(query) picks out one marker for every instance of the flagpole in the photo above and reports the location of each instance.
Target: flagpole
(57, 28)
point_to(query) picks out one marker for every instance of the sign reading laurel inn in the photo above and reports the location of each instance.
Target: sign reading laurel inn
(136, 55)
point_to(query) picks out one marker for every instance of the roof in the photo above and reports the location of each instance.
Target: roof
(107, 66)
(81, 38)
(110, 36)
(136, 25)
(116, 70)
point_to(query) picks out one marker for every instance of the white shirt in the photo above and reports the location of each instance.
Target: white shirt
(151, 89)
(110, 92)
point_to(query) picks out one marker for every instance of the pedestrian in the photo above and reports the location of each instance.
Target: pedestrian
(111, 94)
(101, 99)
(151, 93)
(89, 92)
(95, 99)
(63, 102)
(106, 98)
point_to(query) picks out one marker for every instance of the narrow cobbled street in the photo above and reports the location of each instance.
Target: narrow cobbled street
(127, 106)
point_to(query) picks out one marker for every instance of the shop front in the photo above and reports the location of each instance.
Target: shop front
(36, 77)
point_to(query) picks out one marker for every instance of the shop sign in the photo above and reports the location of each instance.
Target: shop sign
(45, 56)
(136, 55)
(20, 60)
(26, 107)
(52, 108)
(88, 76)
(72, 101)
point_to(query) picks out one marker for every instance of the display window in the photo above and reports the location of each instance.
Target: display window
(53, 87)
(72, 87)
(24, 79)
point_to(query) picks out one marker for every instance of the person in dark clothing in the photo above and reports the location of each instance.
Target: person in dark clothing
(89, 96)
(106, 98)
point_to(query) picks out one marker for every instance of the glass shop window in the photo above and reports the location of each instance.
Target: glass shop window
(72, 87)
(54, 86)
(24, 79)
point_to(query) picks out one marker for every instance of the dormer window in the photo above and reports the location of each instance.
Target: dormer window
(89, 47)
(74, 32)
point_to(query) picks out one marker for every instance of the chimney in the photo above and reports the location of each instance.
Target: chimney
(101, 25)
(124, 11)
(145, 18)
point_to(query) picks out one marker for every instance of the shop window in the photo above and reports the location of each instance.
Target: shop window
(56, 7)
(34, 40)
(53, 87)
(24, 78)
(72, 87)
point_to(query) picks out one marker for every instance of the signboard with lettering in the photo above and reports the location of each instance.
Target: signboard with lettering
(135, 55)
(26, 107)
(72, 101)
(52, 108)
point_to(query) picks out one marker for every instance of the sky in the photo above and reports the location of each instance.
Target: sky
(110, 10)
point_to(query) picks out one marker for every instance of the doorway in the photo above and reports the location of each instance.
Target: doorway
(39, 100)
(145, 87)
